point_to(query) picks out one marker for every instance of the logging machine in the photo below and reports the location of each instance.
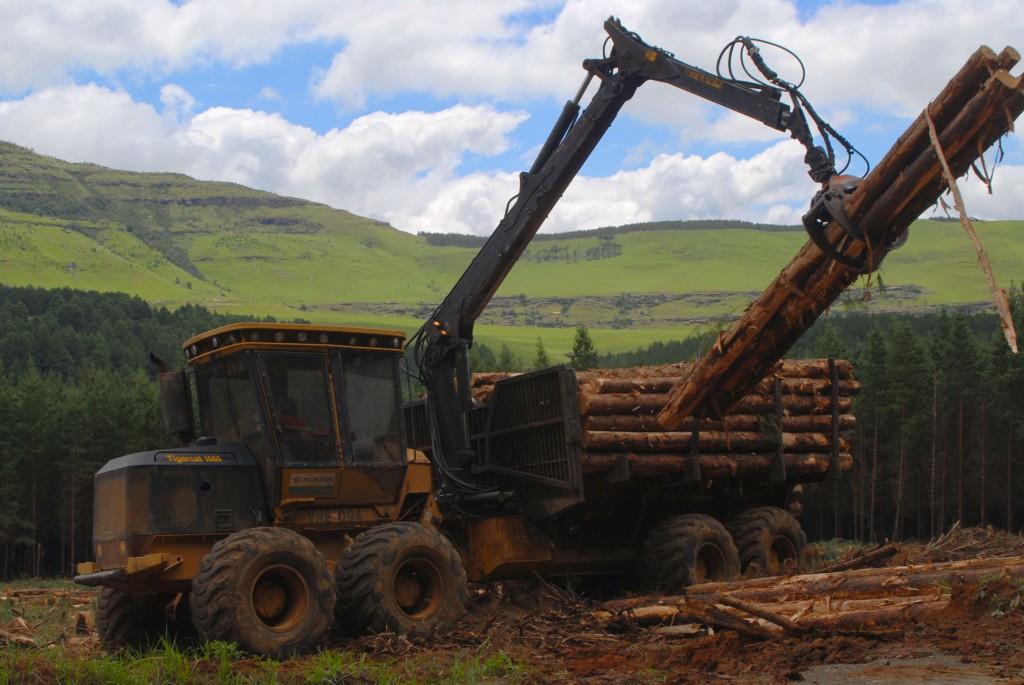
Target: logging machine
(309, 495)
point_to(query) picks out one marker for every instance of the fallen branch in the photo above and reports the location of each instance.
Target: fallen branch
(863, 559)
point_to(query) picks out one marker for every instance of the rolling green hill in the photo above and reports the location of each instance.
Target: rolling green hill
(172, 240)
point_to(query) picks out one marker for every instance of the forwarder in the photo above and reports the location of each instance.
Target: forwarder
(307, 497)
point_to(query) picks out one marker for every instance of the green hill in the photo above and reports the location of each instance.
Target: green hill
(173, 240)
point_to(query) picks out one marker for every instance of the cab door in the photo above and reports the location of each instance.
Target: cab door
(300, 402)
(369, 409)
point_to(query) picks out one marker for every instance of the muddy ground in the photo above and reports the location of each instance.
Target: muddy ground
(553, 634)
(974, 640)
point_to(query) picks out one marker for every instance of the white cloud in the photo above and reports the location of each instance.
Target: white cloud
(177, 101)
(268, 93)
(382, 165)
(407, 167)
(1003, 203)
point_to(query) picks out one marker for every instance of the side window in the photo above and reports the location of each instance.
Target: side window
(230, 406)
(300, 406)
(371, 403)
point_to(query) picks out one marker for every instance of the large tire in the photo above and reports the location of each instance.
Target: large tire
(684, 550)
(770, 541)
(404, 577)
(127, 621)
(268, 590)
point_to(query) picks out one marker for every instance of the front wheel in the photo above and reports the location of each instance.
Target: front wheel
(686, 550)
(266, 589)
(404, 577)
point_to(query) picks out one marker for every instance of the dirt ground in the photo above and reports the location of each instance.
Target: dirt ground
(558, 638)
(553, 634)
(977, 637)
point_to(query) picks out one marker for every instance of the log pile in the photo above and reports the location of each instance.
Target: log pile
(788, 417)
(975, 109)
(861, 602)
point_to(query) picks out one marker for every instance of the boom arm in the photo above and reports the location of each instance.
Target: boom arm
(442, 344)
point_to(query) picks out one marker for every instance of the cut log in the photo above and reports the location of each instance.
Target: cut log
(707, 441)
(971, 113)
(620, 403)
(790, 386)
(809, 423)
(892, 581)
(711, 465)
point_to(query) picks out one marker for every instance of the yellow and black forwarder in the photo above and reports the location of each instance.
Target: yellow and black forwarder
(241, 533)
(309, 495)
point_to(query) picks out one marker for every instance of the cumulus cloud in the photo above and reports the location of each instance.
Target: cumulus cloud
(388, 166)
(71, 73)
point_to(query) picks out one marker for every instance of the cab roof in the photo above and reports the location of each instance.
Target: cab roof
(291, 336)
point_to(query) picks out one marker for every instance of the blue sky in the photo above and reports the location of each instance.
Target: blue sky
(423, 113)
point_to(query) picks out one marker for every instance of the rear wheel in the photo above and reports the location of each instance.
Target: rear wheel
(127, 621)
(770, 541)
(266, 589)
(404, 577)
(685, 550)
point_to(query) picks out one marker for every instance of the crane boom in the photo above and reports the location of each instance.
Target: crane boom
(442, 343)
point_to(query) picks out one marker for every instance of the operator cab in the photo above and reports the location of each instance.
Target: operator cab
(300, 397)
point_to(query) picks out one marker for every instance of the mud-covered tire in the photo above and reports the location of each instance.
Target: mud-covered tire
(685, 550)
(268, 590)
(127, 621)
(770, 541)
(403, 577)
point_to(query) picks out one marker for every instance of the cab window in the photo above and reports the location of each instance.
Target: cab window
(229, 404)
(370, 399)
(300, 406)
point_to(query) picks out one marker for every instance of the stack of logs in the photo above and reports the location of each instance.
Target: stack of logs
(976, 108)
(788, 417)
(865, 602)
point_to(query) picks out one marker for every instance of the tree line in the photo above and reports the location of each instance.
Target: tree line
(76, 390)
(939, 437)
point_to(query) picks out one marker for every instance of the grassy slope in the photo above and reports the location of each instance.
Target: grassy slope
(171, 240)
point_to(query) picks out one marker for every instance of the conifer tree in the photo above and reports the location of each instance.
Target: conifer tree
(507, 360)
(540, 355)
(583, 355)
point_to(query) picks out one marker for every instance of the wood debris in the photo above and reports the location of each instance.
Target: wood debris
(865, 602)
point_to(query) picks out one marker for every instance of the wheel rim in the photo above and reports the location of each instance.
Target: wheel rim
(418, 588)
(781, 551)
(709, 564)
(280, 598)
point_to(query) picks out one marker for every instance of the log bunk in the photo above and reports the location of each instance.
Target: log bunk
(783, 427)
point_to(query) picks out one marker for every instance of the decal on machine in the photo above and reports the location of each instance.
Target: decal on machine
(197, 458)
(312, 483)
